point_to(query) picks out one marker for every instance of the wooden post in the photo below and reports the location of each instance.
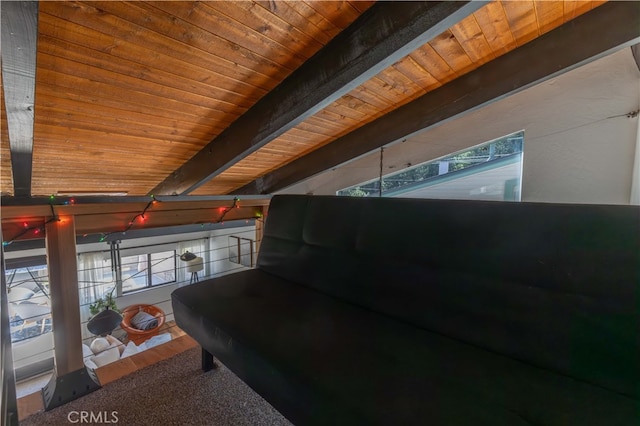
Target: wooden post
(65, 302)
(71, 379)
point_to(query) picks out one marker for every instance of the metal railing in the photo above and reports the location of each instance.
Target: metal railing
(33, 332)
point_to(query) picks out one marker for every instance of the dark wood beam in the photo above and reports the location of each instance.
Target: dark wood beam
(19, 39)
(17, 209)
(97, 216)
(100, 203)
(385, 33)
(115, 223)
(584, 39)
(21, 245)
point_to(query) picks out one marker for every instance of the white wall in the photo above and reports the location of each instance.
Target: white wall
(574, 150)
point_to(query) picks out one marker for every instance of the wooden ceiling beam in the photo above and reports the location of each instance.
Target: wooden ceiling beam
(118, 223)
(17, 209)
(584, 39)
(19, 39)
(382, 35)
(110, 223)
(25, 218)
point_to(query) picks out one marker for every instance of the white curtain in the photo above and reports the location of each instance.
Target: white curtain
(219, 254)
(197, 247)
(91, 277)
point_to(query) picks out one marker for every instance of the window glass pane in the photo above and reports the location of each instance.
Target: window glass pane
(30, 320)
(490, 171)
(246, 252)
(241, 251)
(95, 277)
(234, 249)
(108, 279)
(29, 306)
(163, 267)
(134, 272)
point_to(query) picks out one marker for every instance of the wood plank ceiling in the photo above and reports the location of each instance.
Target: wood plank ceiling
(127, 92)
(6, 181)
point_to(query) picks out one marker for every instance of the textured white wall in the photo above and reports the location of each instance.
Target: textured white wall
(574, 150)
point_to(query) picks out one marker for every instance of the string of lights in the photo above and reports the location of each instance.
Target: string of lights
(140, 217)
(36, 229)
(235, 205)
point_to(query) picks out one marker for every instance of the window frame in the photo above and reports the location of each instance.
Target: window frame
(149, 270)
(371, 187)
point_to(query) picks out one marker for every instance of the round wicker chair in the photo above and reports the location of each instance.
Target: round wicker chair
(135, 335)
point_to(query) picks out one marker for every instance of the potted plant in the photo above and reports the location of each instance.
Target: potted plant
(107, 302)
(105, 315)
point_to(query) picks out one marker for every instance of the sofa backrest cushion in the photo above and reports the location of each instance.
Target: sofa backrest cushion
(553, 285)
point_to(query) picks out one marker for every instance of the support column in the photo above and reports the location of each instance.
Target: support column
(70, 379)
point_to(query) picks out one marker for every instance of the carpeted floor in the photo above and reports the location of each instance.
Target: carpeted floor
(172, 392)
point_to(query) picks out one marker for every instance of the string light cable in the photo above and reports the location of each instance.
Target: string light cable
(37, 229)
(235, 205)
(140, 217)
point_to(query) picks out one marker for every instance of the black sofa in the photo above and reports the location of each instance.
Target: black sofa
(400, 311)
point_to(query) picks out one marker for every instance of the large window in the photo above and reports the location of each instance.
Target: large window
(490, 171)
(147, 270)
(241, 250)
(96, 277)
(28, 297)
(30, 318)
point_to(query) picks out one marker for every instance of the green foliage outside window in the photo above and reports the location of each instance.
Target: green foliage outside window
(503, 147)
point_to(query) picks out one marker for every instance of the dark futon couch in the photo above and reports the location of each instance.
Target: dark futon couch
(428, 312)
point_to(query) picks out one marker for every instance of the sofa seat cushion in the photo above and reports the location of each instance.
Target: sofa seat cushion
(320, 360)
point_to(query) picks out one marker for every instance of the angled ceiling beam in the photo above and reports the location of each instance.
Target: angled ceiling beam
(382, 35)
(584, 39)
(19, 39)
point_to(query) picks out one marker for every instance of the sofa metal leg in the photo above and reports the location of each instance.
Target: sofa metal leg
(207, 361)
